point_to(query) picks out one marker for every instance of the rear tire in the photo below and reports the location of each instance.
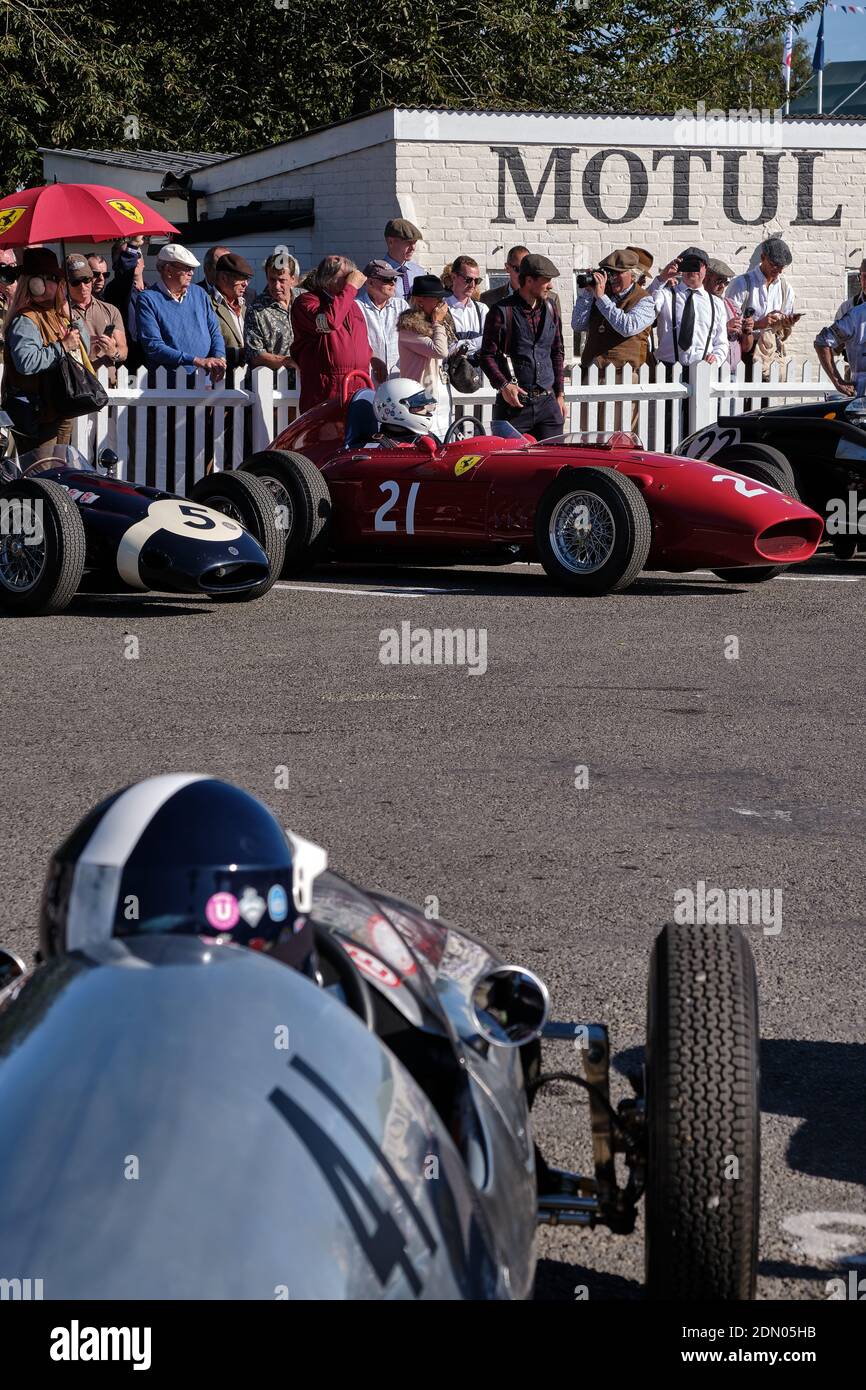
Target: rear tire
(844, 547)
(44, 576)
(599, 550)
(740, 458)
(775, 473)
(702, 1208)
(245, 499)
(301, 492)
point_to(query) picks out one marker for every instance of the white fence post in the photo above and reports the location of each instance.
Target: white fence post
(702, 405)
(262, 408)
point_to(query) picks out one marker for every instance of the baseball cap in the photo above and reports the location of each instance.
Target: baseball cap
(380, 270)
(174, 254)
(78, 270)
(406, 231)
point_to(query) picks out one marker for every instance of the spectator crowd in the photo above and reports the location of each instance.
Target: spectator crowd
(395, 318)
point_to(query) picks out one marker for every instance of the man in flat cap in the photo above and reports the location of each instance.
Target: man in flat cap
(522, 353)
(645, 263)
(382, 306)
(691, 325)
(719, 275)
(231, 280)
(766, 288)
(513, 261)
(616, 315)
(401, 238)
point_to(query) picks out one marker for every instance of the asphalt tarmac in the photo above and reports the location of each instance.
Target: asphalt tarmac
(613, 753)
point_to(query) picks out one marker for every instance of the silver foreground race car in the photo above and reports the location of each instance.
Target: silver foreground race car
(236, 1075)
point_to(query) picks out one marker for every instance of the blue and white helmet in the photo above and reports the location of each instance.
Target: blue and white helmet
(182, 854)
(404, 403)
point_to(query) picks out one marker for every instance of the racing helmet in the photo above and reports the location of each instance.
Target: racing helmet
(182, 854)
(403, 405)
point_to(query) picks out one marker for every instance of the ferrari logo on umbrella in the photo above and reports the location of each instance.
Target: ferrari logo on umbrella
(8, 218)
(126, 209)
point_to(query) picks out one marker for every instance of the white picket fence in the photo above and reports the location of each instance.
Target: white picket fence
(163, 436)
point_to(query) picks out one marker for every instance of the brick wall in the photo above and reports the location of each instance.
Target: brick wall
(462, 192)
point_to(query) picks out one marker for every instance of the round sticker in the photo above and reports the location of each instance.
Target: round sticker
(126, 209)
(369, 965)
(8, 218)
(278, 903)
(222, 911)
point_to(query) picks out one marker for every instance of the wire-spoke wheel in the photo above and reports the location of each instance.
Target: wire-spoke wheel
(582, 532)
(42, 547)
(593, 530)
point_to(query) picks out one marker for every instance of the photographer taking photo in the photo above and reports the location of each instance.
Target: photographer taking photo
(616, 314)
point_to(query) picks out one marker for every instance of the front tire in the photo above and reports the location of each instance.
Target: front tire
(703, 1118)
(42, 547)
(245, 499)
(593, 531)
(775, 473)
(302, 495)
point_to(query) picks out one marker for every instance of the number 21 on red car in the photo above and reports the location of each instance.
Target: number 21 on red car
(393, 490)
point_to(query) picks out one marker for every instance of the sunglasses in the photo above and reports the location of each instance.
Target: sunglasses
(470, 279)
(99, 274)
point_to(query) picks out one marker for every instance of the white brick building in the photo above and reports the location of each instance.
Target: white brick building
(572, 186)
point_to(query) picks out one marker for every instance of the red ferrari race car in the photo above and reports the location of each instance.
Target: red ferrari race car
(595, 509)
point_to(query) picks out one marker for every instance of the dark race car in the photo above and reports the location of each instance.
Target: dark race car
(65, 528)
(817, 449)
(359, 1131)
(595, 510)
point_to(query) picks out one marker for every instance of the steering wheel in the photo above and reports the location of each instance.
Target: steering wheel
(351, 981)
(456, 430)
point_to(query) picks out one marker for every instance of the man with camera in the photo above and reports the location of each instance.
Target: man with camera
(616, 315)
(766, 289)
(691, 325)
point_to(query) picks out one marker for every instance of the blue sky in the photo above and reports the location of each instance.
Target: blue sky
(844, 35)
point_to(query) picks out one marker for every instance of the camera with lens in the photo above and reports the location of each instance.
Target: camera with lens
(9, 274)
(585, 279)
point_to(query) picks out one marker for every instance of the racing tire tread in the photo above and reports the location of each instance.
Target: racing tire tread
(62, 578)
(633, 535)
(311, 504)
(776, 474)
(256, 505)
(702, 1107)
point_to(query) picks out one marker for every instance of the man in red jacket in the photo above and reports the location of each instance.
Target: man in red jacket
(330, 332)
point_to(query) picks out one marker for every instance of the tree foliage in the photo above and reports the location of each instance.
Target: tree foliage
(205, 76)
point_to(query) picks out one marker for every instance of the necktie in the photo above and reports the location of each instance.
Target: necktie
(687, 324)
(404, 276)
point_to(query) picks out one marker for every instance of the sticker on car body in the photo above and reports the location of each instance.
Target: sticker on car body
(466, 463)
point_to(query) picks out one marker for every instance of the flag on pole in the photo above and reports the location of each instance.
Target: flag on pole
(789, 48)
(818, 58)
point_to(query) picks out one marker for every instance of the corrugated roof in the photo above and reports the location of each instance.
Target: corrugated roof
(158, 161)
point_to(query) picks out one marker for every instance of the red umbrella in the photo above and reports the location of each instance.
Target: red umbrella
(75, 212)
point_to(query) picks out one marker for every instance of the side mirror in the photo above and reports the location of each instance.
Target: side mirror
(11, 966)
(108, 460)
(510, 1006)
